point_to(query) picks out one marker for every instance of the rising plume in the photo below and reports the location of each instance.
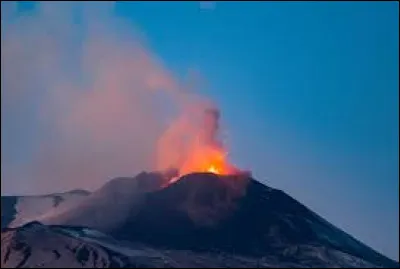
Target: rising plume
(90, 96)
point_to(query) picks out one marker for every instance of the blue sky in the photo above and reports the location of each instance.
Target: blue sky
(308, 94)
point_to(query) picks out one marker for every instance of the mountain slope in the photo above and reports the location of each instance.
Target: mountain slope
(37, 245)
(18, 210)
(200, 212)
(204, 220)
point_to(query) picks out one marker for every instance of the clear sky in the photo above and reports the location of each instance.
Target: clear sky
(308, 94)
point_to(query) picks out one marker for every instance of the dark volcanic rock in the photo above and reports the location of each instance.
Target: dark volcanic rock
(205, 220)
(8, 210)
(205, 211)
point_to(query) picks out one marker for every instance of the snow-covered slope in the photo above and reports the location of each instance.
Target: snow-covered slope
(36, 245)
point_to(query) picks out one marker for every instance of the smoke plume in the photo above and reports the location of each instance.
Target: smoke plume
(84, 100)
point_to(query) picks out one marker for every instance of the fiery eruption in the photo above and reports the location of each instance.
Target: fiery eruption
(204, 152)
(207, 154)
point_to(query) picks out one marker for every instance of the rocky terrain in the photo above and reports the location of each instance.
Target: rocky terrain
(201, 220)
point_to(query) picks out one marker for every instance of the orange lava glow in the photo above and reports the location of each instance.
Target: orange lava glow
(207, 159)
(204, 150)
(213, 169)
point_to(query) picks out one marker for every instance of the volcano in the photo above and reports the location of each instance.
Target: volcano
(200, 220)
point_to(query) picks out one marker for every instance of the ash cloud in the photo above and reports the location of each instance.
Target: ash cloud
(84, 99)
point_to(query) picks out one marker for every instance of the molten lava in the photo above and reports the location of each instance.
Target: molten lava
(207, 153)
(204, 151)
(207, 158)
(213, 169)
